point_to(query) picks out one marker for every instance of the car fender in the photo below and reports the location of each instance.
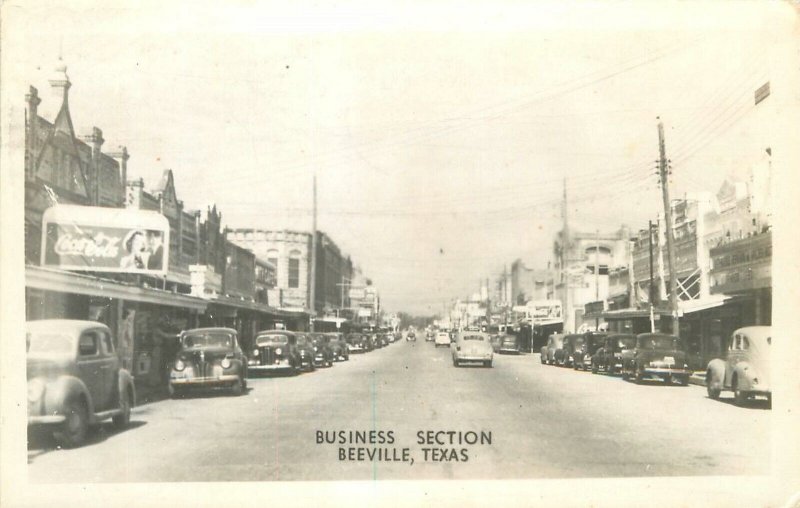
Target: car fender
(125, 383)
(63, 389)
(715, 374)
(744, 373)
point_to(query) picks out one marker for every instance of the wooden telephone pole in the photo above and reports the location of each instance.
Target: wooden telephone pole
(312, 294)
(663, 171)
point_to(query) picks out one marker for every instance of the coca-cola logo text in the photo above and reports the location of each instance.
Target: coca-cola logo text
(98, 246)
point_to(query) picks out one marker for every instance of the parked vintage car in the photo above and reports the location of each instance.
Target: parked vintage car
(583, 352)
(305, 349)
(323, 352)
(609, 357)
(495, 341)
(359, 342)
(75, 379)
(275, 350)
(339, 346)
(209, 358)
(572, 341)
(441, 339)
(745, 370)
(657, 355)
(509, 345)
(472, 347)
(555, 343)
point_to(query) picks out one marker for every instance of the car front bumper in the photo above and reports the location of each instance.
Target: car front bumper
(473, 357)
(509, 350)
(273, 366)
(46, 420)
(666, 371)
(205, 381)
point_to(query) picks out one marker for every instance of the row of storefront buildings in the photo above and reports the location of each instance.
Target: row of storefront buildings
(103, 246)
(611, 280)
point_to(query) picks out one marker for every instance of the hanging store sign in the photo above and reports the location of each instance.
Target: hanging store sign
(99, 239)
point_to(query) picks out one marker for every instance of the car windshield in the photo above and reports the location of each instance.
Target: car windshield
(273, 338)
(48, 343)
(658, 342)
(473, 337)
(626, 342)
(207, 339)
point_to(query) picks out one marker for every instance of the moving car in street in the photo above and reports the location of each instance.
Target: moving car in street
(411, 336)
(472, 347)
(75, 379)
(323, 353)
(339, 346)
(564, 357)
(609, 357)
(509, 345)
(656, 355)
(209, 358)
(555, 343)
(430, 337)
(275, 350)
(441, 339)
(745, 369)
(582, 356)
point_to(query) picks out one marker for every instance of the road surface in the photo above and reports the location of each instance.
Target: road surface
(544, 422)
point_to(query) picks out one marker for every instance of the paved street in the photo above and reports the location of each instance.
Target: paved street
(545, 422)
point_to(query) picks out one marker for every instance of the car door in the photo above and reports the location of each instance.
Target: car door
(92, 367)
(109, 369)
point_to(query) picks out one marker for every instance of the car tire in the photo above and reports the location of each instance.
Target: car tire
(237, 388)
(72, 433)
(122, 420)
(594, 368)
(456, 363)
(173, 391)
(610, 369)
(639, 377)
(488, 364)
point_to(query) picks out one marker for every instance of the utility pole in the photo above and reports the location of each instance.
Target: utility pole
(663, 168)
(652, 288)
(564, 251)
(312, 296)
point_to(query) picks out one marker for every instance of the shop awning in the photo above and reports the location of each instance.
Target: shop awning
(239, 303)
(689, 306)
(49, 279)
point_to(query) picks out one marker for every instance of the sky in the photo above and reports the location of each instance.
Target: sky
(441, 136)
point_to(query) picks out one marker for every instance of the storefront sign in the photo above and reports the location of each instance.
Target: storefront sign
(84, 238)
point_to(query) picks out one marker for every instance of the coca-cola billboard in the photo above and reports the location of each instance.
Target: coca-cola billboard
(105, 240)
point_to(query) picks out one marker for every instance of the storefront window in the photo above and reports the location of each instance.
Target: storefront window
(294, 273)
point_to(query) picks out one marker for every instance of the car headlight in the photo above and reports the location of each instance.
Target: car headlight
(315, 348)
(278, 351)
(179, 365)
(255, 352)
(225, 363)
(35, 389)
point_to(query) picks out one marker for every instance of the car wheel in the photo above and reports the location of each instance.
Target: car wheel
(610, 369)
(456, 363)
(739, 396)
(237, 388)
(594, 368)
(172, 391)
(124, 417)
(639, 377)
(73, 431)
(542, 359)
(488, 363)
(684, 380)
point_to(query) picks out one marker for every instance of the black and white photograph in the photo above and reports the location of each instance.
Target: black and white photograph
(422, 254)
